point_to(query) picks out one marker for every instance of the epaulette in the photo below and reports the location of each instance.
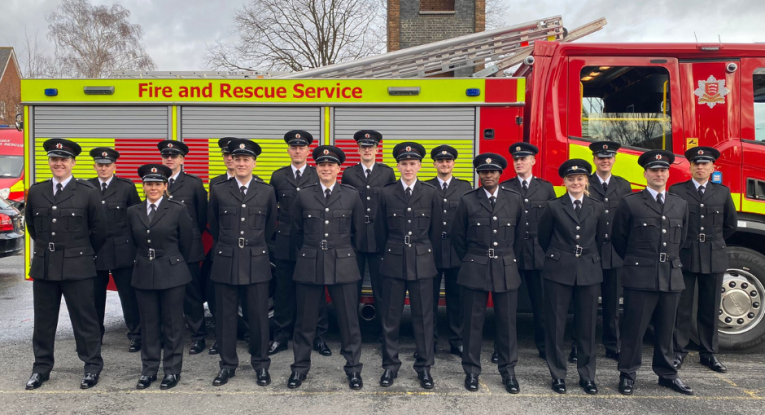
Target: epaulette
(192, 176)
(259, 181)
(281, 168)
(347, 186)
(124, 179)
(593, 200)
(174, 201)
(620, 179)
(541, 179)
(481, 188)
(428, 184)
(392, 183)
(38, 183)
(310, 185)
(221, 182)
(86, 183)
(383, 165)
(505, 189)
(633, 194)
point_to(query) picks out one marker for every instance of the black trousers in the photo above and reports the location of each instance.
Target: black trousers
(421, 304)
(254, 300)
(453, 305)
(310, 300)
(640, 309)
(162, 323)
(609, 293)
(194, 303)
(706, 318)
(371, 261)
(122, 278)
(285, 305)
(82, 313)
(533, 281)
(557, 299)
(209, 283)
(474, 304)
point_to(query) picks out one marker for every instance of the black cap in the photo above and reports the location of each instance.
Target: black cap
(702, 155)
(656, 159)
(223, 144)
(154, 173)
(523, 150)
(243, 146)
(172, 147)
(605, 149)
(298, 138)
(104, 155)
(408, 151)
(367, 137)
(328, 154)
(489, 162)
(59, 147)
(444, 152)
(574, 166)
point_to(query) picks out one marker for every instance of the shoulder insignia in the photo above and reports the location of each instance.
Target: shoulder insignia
(174, 201)
(347, 186)
(310, 185)
(392, 183)
(281, 168)
(86, 183)
(192, 176)
(124, 179)
(383, 165)
(39, 183)
(260, 182)
(593, 200)
(427, 184)
(507, 189)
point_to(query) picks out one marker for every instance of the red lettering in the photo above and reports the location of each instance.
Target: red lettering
(346, 89)
(270, 92)
(143, 88)
(355, 91)
(281, 92)
(298, 91)
(238, 91)
(207, 91)
(167, 92)
(225, 91)
(310, 92)
(248, 92)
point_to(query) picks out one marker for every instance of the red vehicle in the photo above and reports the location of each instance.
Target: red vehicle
(12, 166)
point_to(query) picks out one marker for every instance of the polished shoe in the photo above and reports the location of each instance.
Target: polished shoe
(511, 384)
(610, 354)
(213, 349)
(276, 347)
(471, 382)
(322, 348)
(589, 386)
(626, 386)
(678, 361)
(426, 381)
(572, 357)
(89, 380)
(559, 385)
(676, 385)
(495, 357)
(135, 346)
(223, 376)
(387, 378)
(197, 347)
(714, 364)
(354, 381)
(145, 381)
(36, 380)
(296, 379)
(169, 381)
(264, 379)
(456, 350)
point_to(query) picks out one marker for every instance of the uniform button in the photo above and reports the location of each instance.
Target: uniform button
(495, 231)
(702, 205)
(309, 216)
(54, 208)
(326, 209)
(326, 235)
(645, 224)
(577, 237)
(369, 198)
(702, 228)
(148, 241)
(408, 209)
(368, 187)
(608, 223)
(525, 211)
(244, 205)
(326, 222)
(53, 234)
(702, 216)
(478, 224)
(445, 200)
(297, 188)
(495, 218)
(606, 210)
(495, 243)
(54, 220)
(242, 219)
(148, 231)
(663, 231)
(72, 214)
(220, 252)
(241, 232)
(577, 228)
(410, 221)
(527, 224)
(428, 251)
(444, 223)
(369, 209)
(410, 232)
(444, 211)
(637, 263)
(663, 218)
(171, 196)
(525, 200)
(552, 256)
(606, 200)
(103, 202)
(664, 244)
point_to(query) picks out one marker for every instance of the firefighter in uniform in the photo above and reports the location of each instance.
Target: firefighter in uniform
(405, 232)
(484, 235)
(242, 221)
(536, 192)
(189, 191)
(450, 189)
(162, 232)
(648, 230)
(117, 254)
(65, 219)
(288, 182)
(572, 231)
(712, 220)
(327, 221)
(228, 160)
(368, 177)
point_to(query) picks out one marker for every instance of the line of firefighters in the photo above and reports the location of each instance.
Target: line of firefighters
(408, 233)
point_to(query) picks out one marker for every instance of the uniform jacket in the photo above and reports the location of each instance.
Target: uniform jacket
(286, 190)
(446, 256)
(169, 235)
(118, 250)
(530, 255)
(562, 234)
(617, 189)
(189, 191)
(67, 230)
(649, 238)
(241, 228)
(486, 238)
(223, 177)
(324, 233)
(369, 191)
(405, 231)
(715, 217)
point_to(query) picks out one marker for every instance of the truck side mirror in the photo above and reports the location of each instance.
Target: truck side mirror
(20, 122)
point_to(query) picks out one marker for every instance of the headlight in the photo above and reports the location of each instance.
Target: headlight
(4, 193)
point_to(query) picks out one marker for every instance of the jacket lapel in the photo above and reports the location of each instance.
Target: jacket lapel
(163, 207)
(400, 192)
(596, 187)
(533, 187)
(708, 191)
(143, 216)
(252, 190)
(67, 192)
(110, 190)
(651, 202)
(319, 195)
(416, 193)
(568, 207)
(335, 195)
(177, 184)
(690, 188)
(586, 208)
(372, 176)
(483, 198)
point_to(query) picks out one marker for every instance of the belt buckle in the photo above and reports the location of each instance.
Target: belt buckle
(366, 219)
(526, 236)
(152, 254)
(241, 242)
(578, 251)
(443, 235)
(491, 253)
(702, 237)
(324, 246)
(407, 240)
(51, 247)
(663, 257)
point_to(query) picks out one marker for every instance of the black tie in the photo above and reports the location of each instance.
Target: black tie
(368, 173)
(493, 201)
(103, 188)
(446, 186)
(171, 182)
(297, 176)
(660, 199)
(327, 193)
(577, 207)
(152, 212)
(408, 193)
(59, 188)
(525, 186)
(701, 192)
(243, 189)
(605, 187)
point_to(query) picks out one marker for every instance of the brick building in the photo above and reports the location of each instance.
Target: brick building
(10, 86)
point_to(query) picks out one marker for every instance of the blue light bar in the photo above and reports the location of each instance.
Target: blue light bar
(473, 92)
(51, 92)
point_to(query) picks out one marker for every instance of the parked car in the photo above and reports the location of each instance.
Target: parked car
(11, 229)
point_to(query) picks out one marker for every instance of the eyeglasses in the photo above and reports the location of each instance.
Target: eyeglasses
(170, 156)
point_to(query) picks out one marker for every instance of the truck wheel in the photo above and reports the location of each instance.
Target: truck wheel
(741, 323)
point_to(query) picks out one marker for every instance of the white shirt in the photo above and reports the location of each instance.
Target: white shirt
(247, 185)
(441, 182)
(528, 181)
(573, 199)
(228, 176)
(174, 177)
(324, 188)
(654, 193)
(63, 183)
(295, 169)
(108, 182)
(607, 181)
(489, 195)
(370, 168)
(411, 186)
(156, 204)
(697, 184)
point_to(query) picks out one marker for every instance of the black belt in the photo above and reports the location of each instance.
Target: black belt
(242, 242)
(53, 246)
(325, 245)
(446, 235)
(530, 235)
(152, 253)
(407, 240)
(702, 237)
(367, 219)
(573, 249)
(491, 252)
(662, 256)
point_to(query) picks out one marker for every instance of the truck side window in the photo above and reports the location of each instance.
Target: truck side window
(759, 104)
(627, 104)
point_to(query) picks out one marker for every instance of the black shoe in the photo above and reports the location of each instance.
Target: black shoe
(387, 378)
(511, 384)
(542, 355)
(471, 382)
(572, 357)
(354, 381)
(213, 349)
(169, 381)
(296, 379)
(610, 354)
(589, 387)
(276, 347)
(495, 357)
(197, 347)
(676, 385)
(135, 346)
(89, 380)
(456, 350)
(678, 361)
(264, 379)
(626, 386)
(322, 348)
(36, 380)
(714, 364)
(426, 381)
(145, 381)
(559, 385)
(223, 376)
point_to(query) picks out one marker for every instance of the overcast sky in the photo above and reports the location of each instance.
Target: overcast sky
(176, 31)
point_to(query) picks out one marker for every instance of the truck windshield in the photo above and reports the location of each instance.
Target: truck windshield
(11, 166)
(759, 104)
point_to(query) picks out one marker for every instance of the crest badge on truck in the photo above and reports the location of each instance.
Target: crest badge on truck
(712, 91)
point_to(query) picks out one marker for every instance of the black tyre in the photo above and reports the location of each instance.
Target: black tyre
(741, 323)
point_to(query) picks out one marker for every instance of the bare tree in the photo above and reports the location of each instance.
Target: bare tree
(497, 12)
(94, 41)
(34, 60)
(293, 35)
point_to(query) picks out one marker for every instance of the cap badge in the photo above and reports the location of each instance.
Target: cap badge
(366, 135)
(153, 169)
(104, 154)
(408, 148)
(575, 167)
(488, 161)
(59, 146)
(605, 146)
(701, 151)
(444, 152)
(326, 151)
(658, 157)
(169, 145)
(297, 135)
(241, 145)
(518, 148)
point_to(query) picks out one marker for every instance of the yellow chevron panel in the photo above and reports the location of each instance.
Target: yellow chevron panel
(463, 166)
(625, 166)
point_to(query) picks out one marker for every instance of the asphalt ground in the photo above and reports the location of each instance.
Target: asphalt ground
(740, 391)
